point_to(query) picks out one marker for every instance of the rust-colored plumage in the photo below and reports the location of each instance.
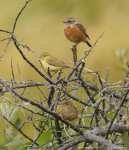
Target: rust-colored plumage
(75, 31)
(69, 111)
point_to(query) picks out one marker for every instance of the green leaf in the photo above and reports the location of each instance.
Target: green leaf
(48, 123)
(102, 124)
(9, 131)
(109, 114)
(44, 137)
(63, 131)
(123, 52)
(11, 105)
(117, 53)
(2, 108)
(40, 125)
(25, 148)
(19, 137)
(125, 139)
(13, 116)
(2, 147)
(17, 123)
(13, 144)
(53, 124)
(28, 143)
(68, 131)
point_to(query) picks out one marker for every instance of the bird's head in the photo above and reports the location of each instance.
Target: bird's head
(68, 104)
(45, 55)
(70, 22)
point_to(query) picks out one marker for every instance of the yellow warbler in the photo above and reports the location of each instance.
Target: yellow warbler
(53, 63)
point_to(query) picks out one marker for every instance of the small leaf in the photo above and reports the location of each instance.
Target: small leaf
(2, 147)
(13, 144)
(9, 131)
(109, 114)
(40, 125)
(44, 137)
(19, 146)
(17, 123)
(27, 144)
(19, 137)
(125, 139)
(13, 116)
(123, 52)
(2, 108)
(53, 124)
(102, 124)
(117, 53)
(63, 131)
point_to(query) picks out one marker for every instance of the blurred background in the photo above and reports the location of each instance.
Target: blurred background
(40, 27)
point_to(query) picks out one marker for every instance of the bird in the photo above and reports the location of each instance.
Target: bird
(76, 32)
(69, 111)
(52, 62)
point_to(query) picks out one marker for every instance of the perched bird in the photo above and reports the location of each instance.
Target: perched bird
(69, 111)
(53, 63)
(75, 31)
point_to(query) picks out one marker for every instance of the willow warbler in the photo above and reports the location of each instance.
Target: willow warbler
(53, 63)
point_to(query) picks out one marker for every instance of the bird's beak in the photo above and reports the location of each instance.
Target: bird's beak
(64, 21)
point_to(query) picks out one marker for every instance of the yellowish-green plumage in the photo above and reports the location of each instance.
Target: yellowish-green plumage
(53, 63)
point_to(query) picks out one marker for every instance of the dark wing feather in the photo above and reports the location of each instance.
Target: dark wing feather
(82, 28)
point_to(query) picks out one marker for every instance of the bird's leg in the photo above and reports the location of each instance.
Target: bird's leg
(67, 125)
(74, 46)
(49, 72)
(74, 125)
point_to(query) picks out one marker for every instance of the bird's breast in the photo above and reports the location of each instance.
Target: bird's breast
(69, 114)
(74, 34)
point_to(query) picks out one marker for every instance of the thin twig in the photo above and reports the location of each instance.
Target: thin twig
(115, 114)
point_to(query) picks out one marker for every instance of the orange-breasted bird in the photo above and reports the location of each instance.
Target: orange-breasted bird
(75, 31)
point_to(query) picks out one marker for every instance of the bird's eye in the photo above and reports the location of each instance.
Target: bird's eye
(69, 21)
(44, 55)
(67, 103)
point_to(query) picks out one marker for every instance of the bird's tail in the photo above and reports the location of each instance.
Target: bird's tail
(87, 42)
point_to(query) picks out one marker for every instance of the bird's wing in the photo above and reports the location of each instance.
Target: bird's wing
(56, 62)
(82, 28)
